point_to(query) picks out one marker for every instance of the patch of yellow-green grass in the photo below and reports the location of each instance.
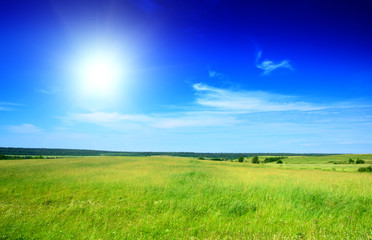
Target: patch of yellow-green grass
(339, 163)
(327, 158)
(179, 198)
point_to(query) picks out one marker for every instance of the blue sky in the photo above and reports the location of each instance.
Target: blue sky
(204, 76)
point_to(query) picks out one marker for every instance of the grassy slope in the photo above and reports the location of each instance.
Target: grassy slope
(168, 197)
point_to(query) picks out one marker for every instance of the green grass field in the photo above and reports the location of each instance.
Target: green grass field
(184, 198)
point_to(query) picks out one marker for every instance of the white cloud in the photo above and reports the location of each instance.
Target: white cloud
(48, 92)
(195, 119)
(8, 106)
(249, 101)
(112, 120)
(122, 122)
(104, 117)
(223, 120)
(268, 66)
(215, 74)
(215, 107)
(25, 128)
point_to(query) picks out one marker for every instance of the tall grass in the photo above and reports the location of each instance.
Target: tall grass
(179, 198)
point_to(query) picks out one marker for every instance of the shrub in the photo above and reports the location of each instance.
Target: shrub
(365, 169)
(351, 161)
(340, 162)
(255, 160)
(273, 159)
(241, 159)
(279, 162)
(201, 158)
(359, 161)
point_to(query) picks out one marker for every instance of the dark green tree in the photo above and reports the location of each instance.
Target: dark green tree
(255, 160)
(359, 161)
(241, 159)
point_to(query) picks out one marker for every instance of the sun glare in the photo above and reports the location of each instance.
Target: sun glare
(100, 74)
(97, 77)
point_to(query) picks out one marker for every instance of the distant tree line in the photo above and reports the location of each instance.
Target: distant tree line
(83, 152)
(49, 152)
(13, 157)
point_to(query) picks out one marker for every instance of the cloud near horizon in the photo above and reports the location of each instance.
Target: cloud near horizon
(245, 119)
(25, 128)
(213, 107)
(122, 122)
(250, 101)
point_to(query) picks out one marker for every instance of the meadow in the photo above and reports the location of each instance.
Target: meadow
(184, 198)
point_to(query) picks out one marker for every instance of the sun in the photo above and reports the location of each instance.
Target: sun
(99, 74)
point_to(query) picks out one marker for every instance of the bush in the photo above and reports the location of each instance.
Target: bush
(273, 159)
(201, 158)
(279, 162)
(340, 162)
(351, 161)
(365, 169)
(359, 161)
(241, 159)
(255, 160)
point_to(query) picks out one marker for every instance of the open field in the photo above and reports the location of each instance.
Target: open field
(184, 198)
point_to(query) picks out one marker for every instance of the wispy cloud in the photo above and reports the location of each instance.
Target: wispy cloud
(220, 119)
(112, 120)
(25, 128)
(195, 119)
(47, 92)
(250, 101)
(104, 117)
(217, 107)
(8, 106)
(215, 74)
(227, 119)
(123, 122)
(268, 66)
